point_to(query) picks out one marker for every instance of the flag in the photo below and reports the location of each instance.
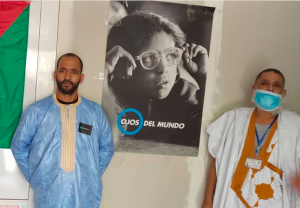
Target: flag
(14, 19)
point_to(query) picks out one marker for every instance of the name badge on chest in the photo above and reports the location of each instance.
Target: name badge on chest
(253, 162)
(85, 129)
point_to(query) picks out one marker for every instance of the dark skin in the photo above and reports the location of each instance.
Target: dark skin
(69, 72)
(295, 180)
(210, 185)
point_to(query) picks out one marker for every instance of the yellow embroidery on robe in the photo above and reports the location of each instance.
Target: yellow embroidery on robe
(68, 137)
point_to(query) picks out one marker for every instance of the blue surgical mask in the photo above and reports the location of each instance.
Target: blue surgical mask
(266, 100)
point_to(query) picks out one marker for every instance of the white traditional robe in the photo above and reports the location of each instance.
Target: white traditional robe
(268, 187)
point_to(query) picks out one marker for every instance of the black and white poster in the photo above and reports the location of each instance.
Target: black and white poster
(156, 62)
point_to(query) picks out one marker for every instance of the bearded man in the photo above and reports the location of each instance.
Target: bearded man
(256, 151)
(63, 143)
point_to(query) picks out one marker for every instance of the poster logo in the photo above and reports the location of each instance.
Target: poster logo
(140, 123)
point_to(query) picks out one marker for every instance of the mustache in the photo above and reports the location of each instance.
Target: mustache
(67, 81)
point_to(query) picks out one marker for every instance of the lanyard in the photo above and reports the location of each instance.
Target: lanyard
(259, 141)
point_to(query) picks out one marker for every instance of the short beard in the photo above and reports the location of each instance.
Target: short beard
(274, 112)
(67, 91)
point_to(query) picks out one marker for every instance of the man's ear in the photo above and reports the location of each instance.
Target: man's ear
(81, 78)
(55, 75)
(284, 93)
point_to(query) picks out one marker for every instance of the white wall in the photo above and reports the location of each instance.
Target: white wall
(253, 36)
(79, 21)
(134, 180)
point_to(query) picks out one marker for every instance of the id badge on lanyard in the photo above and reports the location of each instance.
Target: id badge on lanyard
(253, 162)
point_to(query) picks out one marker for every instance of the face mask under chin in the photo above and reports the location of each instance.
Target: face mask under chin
(267, 101)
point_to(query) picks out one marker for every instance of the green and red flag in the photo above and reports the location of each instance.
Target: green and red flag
(14, 19)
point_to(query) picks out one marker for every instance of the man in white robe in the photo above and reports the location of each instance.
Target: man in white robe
(63, 143)
(256, 152)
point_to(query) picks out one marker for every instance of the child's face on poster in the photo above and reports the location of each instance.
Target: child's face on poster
(158, 82)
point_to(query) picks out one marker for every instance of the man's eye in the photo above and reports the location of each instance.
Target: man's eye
(61, 70)
(74, 72)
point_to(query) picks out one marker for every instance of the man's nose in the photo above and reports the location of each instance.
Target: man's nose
(162, 67)
(270, 88)
(68, 74)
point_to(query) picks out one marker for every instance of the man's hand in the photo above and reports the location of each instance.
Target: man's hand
(113, 56)
(207, 206)
(195, 59)
(295, 181)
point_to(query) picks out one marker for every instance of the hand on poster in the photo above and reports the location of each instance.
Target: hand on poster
(164, 84)
(195, 59)
(113, 56)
